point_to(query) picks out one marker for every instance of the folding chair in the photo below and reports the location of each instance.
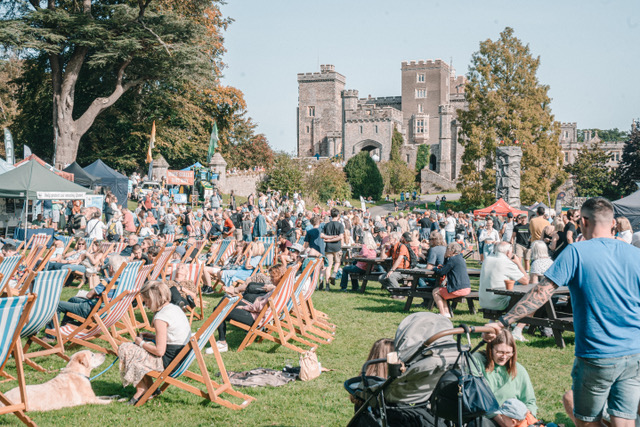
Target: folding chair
(274, 322)
(47, 285)
(141, 278)
(8, 268)
(36, 240)
(193, 351)
(312, 316)
(119, 247)
(270, 247)
(195, 273)
(170, 238)
(226, 248)
(107, 312)
(13, 315)
(160, 262)
(67, 240)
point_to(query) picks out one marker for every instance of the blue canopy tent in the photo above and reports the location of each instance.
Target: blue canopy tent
(193, 166)
(115, 181)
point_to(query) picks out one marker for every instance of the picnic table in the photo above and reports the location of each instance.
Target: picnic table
(369, 274)
(413, 291)
(548, 316)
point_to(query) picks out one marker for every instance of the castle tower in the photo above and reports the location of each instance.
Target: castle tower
(319, 111)
(425, 86)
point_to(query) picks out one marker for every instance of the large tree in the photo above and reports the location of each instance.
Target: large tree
(507, 103)
(121, 44)
(628, 172)
(590, 173)
(364, 176)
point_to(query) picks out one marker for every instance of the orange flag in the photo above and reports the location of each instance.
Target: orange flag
(152, 142)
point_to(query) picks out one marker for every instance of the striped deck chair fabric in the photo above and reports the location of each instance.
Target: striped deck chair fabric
(66, 240)
(40, 239)
(193, 352)
(108, 315)
(13, 315)
(195, 273)
(206, 226)
(170, 238)
(48, 287)
(8, 267)
(282, 297)
(269, 245)
(315, 317)
(141, 278)
(227, 246)
(161, 261)
(301, 241)
(119, 247)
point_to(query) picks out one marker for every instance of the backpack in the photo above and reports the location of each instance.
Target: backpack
(77, 222)
(413, 259)
(111, 231)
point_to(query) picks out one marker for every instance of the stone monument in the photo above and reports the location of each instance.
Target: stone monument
(219, 165)
(159, 169)
(508, 175)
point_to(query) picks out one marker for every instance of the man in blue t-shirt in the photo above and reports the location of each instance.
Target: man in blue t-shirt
(603, 276)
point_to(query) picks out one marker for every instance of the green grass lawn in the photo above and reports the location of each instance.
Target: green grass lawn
(361, 320)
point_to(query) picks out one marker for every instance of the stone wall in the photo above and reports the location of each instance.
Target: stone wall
(242, 184)
(432, 182)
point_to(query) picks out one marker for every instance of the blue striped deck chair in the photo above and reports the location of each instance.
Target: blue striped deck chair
(270, 246)
(13, 315)
(109, 311)
(47, 285)
(193, 352)
(226, 246)
(66, 240)
(8, 267)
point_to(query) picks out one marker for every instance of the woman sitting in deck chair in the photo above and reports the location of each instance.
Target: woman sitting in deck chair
(154, 352)
(228, 277)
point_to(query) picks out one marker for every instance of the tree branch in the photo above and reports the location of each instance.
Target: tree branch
(155, 35)
(143, 4)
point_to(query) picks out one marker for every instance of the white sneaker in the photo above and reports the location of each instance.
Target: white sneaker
(222, 346)
(519, 337)
(208, 350)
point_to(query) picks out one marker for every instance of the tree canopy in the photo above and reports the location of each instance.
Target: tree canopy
(507, 103)
(364, 176)
(160, 60)
(590, 173)
(628, 172)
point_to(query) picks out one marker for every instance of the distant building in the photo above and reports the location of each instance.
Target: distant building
(334, 121)
(570, 145)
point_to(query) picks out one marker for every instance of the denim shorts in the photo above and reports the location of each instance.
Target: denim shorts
(614, 381)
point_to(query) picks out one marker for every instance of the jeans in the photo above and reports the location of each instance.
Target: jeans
(241, 316)
(346, 271)
(79, 306)
(450, 236)
(615, 381)
(390, 280)
(74, 267)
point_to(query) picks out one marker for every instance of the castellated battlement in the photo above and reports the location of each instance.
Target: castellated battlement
(327, 73)
(350, 93)
(327, 68)
(423, 63)
(373, 115)
(573, 124)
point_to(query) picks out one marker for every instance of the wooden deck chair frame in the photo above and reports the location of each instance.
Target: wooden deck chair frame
(23, 284)
(315, 317)
(274, 322)
(213, 251)
(160, 263)
(193, 351)
(14, 346)
(8, 267)
(100, 323)
(302, 322)
(48, 286)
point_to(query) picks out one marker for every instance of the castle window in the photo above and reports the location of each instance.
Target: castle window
(421, 93)
(376, 128)
(420, 109)
(308, 129)
(566, 157)
(312, 111)
(361, 128)
(617, 157)
(408, 159)
(566, 134)
(419, 125)
(420, 78)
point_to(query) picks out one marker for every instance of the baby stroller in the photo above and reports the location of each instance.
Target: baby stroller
(425, 345)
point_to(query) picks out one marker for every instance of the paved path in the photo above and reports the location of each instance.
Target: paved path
(383, 210)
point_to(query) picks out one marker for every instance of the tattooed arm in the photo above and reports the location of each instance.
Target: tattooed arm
(528, 305)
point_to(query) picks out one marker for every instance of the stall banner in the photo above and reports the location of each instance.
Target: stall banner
(94, 202)
(59, 195)
(180, 199)
(179, 177)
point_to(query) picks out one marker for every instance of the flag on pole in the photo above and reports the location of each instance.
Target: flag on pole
(8, 146)
(26, 151)
(213, 142)
(152, 142)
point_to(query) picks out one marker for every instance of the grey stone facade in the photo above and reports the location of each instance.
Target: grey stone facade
(570, 145)
(334, 121)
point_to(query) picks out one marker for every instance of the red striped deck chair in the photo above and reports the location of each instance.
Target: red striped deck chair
(104, 317)
(213, 251)
(195, 274)
(106, 247)
(8, 268)
(206, 226)
(119, 247)
(170, 238)
(315, 317)
(274, 322)
(14, 312)
(36, 240)
(179, 367)
(160, 263)
(143, 276)
(47, 285)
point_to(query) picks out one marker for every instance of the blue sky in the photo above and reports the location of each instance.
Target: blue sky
(588, 50)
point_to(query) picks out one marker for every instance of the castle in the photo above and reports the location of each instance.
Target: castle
(334, 121)
(570, 145)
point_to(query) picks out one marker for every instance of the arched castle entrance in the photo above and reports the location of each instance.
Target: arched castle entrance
(373, 147)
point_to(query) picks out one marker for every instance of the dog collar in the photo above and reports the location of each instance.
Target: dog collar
(74, 373)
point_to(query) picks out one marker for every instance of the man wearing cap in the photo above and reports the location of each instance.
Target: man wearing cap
(397, 250)
(333, 235)
(506, 231)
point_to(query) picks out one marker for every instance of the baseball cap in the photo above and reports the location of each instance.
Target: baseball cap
(509, 215)
(296, 247)
(406, 236)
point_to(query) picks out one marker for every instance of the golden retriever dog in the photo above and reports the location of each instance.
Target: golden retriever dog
(70, 388)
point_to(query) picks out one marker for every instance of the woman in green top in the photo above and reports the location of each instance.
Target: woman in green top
(506, 377)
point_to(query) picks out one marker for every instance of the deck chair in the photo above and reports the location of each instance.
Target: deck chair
(206, 226)
(193, 351)
(300, 320)
(106, 247)
(170, 238)
(107, 312)
(119, 247)
(160, 263)
(195, 274)
(141, 279)
(36, 240)
(315, 317)
(226, 248)
(270, 247)
(213, 251)
(67, 240)
(274, 322)
(47, 285)
(8, 267)
(300, 316)
(13, 315)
